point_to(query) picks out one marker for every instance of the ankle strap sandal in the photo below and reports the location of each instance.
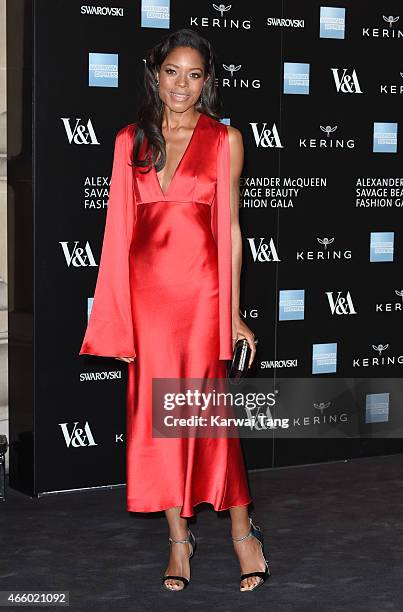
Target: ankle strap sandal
(256, 532)
(192, 540)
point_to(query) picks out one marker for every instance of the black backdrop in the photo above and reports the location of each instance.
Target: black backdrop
(309, 233)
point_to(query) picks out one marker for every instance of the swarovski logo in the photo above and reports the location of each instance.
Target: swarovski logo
(102, 10)
(79, 256)
(80, 134)
(79, 436)
(340, 305)
(100, 376)
(266, 138)
(264, 251)
(346, 83)
(278, 363)
(285, 23)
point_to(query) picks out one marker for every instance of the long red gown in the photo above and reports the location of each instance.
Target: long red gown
(163, 295)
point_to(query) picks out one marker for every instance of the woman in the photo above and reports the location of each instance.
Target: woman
(167, 293)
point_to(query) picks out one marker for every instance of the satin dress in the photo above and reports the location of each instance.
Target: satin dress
(163, 295)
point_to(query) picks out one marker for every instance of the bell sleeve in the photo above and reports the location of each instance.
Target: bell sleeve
(109, 330)
(221, 228)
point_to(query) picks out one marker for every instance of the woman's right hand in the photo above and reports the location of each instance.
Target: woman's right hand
(126, 359)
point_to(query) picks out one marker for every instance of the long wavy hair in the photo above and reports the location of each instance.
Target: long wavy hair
(150, 114)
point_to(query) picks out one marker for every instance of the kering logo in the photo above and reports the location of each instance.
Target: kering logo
(391, 306)
(324, 255)
(235, 83)
(387, 360)
(81, 134)
(108, 11)
(79, 436)
(266, 138)
(340, 305)
(221, 21)
(328, 142)
(346, 83)
(321, 406)
(222, 8)
(264, 252)
(389, 32)
(79, 256)
(323, 419)
(249, 313)
(392, 89)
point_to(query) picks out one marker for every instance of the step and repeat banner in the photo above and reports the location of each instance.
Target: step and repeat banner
(316, 91)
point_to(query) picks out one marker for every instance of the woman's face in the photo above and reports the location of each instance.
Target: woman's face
(181, 79)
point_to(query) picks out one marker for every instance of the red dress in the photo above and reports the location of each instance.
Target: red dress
(163, 295)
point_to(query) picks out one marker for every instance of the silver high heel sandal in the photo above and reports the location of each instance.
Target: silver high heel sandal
(255, 531)
(185, 581)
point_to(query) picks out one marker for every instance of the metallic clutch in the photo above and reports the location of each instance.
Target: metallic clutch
(240, 359)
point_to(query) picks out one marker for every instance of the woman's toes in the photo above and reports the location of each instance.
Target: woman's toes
(174, 585)
(249, 583)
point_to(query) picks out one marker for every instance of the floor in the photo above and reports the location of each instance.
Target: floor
(333, 536)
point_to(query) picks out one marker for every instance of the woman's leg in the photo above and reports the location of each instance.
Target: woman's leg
(249, 551)
(178, 564)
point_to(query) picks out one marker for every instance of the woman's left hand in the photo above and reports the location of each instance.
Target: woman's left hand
(241, 330)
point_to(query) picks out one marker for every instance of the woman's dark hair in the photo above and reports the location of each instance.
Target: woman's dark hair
(149, 116)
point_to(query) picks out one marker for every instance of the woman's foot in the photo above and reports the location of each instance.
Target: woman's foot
(250, 556)
(178, 564)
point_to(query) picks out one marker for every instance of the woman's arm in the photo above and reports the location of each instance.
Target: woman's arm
(239, 328)
(109, 331)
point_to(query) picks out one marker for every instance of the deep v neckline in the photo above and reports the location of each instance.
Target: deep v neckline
(165, 193)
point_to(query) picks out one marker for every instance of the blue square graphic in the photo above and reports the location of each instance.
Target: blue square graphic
(385, 138)
(155, 13)
(90, 301)
(324, 358)
(377, 408)
(332, 22)
(381, 246)
(296, 78)
(103, 70)
(291, 304)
